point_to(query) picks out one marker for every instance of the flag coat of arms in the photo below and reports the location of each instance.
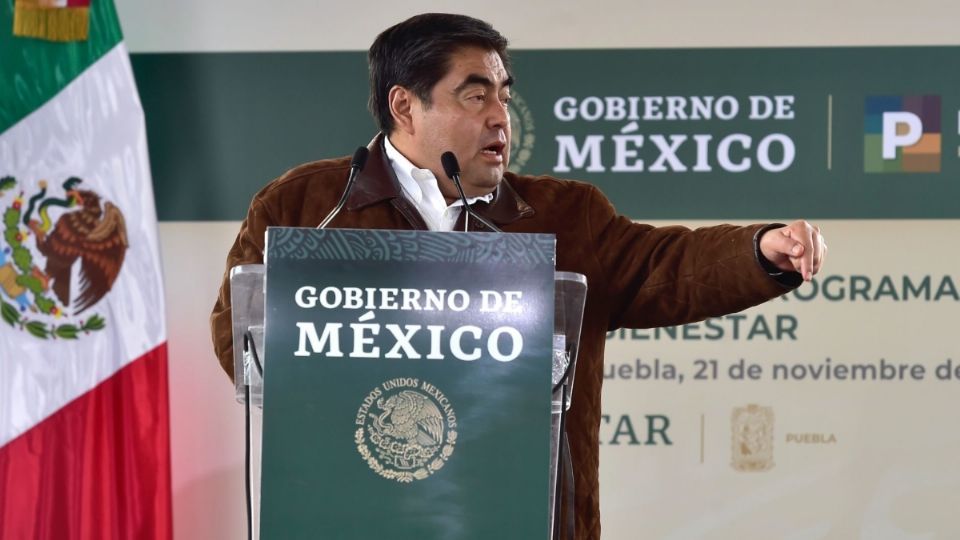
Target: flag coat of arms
(84, 434)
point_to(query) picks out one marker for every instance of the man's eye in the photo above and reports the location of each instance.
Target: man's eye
(479, 98)
(506, 99)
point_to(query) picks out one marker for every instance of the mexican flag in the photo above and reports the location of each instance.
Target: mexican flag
(84, 435)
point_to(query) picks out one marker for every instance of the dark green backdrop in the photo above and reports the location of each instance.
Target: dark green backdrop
(222, 125)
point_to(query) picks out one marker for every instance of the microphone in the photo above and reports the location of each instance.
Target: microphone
(452, 168)
(356, 165)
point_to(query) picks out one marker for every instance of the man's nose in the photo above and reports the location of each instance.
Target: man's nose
(498, 114)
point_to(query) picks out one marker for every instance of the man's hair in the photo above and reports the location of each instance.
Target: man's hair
(415, 54)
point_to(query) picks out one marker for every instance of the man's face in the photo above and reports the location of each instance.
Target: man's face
(468, 116)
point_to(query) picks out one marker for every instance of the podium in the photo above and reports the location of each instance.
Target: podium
(411, 383)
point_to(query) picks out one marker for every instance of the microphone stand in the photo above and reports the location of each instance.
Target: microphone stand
(452, 167)
(356, 165)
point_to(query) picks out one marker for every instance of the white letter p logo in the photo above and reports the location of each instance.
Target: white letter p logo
(892, 139)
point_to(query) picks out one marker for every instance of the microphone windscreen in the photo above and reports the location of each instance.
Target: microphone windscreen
(359, 158)
(450, 164)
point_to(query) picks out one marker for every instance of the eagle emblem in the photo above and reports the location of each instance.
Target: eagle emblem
(61, 254)
(411, 418)
(408, 434)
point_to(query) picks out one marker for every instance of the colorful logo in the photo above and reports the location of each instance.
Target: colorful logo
(59, 255)
(902, 134)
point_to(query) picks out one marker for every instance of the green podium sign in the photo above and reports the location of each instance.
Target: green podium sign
(406, 385)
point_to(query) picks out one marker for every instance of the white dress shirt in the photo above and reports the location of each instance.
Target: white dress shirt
(420, 187)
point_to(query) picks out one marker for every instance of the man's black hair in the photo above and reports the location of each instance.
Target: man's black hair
(415, 54)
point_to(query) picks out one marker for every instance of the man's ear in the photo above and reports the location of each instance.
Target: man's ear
(401, 108)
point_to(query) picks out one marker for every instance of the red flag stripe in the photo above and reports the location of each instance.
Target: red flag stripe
(99, 468)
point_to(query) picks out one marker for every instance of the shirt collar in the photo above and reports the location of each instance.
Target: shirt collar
(418, 184)
(377, 182)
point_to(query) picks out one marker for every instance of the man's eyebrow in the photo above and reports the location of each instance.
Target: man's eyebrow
(473, 78)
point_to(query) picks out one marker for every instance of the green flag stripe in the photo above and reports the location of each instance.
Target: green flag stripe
(34, 70)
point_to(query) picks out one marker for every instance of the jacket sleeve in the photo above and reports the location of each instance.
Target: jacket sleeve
(662, 276)
(246, 249)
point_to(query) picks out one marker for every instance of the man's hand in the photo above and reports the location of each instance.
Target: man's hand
(797, 247)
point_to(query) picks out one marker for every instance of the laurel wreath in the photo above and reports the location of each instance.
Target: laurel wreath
(405, 476)
(522, 147)
(43, 330)
(23, 261)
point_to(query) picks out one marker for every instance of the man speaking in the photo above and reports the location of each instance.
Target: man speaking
(441, 83)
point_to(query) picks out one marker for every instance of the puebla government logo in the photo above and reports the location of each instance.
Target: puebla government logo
(60, 253)
(407, 429)
(752, 438)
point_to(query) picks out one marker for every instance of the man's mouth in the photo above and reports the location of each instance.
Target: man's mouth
(495, 149)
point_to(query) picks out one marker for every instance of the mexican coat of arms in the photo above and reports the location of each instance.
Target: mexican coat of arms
(60, 253)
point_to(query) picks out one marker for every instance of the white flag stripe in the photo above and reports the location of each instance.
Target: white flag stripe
(92, 129)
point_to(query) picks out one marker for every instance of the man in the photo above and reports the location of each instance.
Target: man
(442, 83)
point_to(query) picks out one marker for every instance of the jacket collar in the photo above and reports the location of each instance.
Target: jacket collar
(377, 182)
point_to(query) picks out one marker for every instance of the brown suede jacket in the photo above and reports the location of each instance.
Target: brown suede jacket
(638, 276)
